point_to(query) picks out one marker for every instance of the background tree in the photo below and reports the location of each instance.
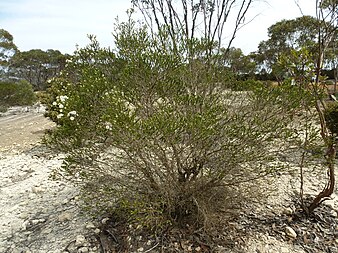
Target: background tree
(328, 14)
(242, 65)
(285, 36)
(7, 50)
(37, 66)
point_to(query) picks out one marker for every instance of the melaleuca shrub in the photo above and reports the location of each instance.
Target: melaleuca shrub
(158, 135)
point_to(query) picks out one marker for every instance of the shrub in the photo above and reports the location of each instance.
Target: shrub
(331, 117)
(161, 138)
(16, 93)
(246, 85)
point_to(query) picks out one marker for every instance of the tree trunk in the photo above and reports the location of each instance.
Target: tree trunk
(328, 190)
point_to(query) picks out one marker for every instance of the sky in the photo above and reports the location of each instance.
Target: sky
(63, 24)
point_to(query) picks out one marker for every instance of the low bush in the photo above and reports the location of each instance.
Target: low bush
(246, 85)
(16, 93)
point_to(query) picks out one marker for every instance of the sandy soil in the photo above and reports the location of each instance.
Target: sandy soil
(22, 128)
(37, 214)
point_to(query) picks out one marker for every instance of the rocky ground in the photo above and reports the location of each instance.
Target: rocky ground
(38, 214)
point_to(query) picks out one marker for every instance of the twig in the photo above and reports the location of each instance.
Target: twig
(152, 248)
(112, 235)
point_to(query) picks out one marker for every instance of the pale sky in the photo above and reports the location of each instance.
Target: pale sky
(63, 24)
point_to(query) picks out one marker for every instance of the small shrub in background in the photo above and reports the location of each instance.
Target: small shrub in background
(246, 85)
(331, 117)
(16, 93)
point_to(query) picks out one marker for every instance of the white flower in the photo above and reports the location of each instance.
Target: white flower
(63, 98)
(61, 106)
(54, 103)
(71, 118)
(72, 113)
(59, 116)
(108, 125)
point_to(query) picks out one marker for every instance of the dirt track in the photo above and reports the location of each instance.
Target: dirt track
(20, 130)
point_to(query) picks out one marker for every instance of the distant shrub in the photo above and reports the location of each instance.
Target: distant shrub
(3, 108)
(16, 93)
(246, 85)
(41, 96)
(331, 117)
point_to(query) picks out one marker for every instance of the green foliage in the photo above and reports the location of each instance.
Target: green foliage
(239, 63)
(297, 64)
(331, 117)
(37, 66)
(16, 93)
(288, 36)
(246, 85)
(159, 137)
(7, 47)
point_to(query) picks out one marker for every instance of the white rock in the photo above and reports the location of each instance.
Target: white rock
(333, 213)
(23, 216)
(290, 232)
(330, 203)
(83, 250)
(31, 196)
(34, 222)
(80, 240)
(25, 224)
(14, 208)
(288, 211)
(284, 250)
(22, 174)
(37, 189)
(90, 225)
(25, 169)
(65, 217)
(65, 201)
(7, 180)
(105, 220)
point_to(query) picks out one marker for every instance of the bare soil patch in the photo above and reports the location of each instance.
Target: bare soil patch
(22, 128)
